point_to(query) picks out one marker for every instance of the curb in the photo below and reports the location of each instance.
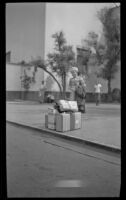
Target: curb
(87, 142)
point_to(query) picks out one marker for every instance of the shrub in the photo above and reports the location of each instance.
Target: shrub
(116, 94)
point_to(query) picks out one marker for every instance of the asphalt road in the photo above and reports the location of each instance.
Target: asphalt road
(43, 166)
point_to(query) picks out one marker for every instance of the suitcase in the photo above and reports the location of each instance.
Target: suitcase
(63, 122)
(73, 106)
(75, 120)
(50, 121)
(63, 105)
(52, 110)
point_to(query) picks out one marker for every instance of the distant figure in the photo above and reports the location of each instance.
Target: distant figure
(80, 96)
(97, 92)
(41, 92)
(50, 98)
(73, 83)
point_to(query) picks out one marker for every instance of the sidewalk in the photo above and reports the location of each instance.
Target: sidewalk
(100, 125)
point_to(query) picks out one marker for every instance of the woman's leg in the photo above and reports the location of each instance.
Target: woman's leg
(96, 96)
(81, 106)
(98, 99)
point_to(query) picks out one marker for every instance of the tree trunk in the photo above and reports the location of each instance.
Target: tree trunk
(60, 88)
(64, 85)
(109, 86)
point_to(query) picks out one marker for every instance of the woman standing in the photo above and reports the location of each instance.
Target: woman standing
(80, 96)
(73, 83)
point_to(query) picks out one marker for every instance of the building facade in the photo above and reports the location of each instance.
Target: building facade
(14, 85)
(25, 30)
(25, 38)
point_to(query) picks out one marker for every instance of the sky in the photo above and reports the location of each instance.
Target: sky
(75, 19)
(26, 36)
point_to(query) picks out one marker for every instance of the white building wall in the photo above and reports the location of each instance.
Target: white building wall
(13, 73)
(39, 77)
(54, 86)
(13, 77)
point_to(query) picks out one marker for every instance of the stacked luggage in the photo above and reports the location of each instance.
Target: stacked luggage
(64, 116)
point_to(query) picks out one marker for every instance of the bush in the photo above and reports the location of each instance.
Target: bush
(116, 94)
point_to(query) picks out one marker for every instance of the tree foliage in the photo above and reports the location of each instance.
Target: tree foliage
(62, 59)
(92, 39)
(27, 80)
(59, 61)
(111, 31)
(106, 53)
(94, 52)
(97, 50)
(40, 63)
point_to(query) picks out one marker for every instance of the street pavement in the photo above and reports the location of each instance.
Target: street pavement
(43, 166)
(100, 124)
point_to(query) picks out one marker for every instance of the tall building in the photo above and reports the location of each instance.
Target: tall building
(25, 38)
(25, 30)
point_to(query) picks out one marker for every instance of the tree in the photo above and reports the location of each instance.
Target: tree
(59, 62)
(27, 80)
(97, 50)
(111, 31)
(92, 39)
(62, 59)
(94, 50)
(40, 63)
(37, 63)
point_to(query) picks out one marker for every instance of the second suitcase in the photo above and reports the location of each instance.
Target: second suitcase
(75, 120)
(63, 122)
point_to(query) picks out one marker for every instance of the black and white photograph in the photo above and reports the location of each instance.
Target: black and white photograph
(63, 99)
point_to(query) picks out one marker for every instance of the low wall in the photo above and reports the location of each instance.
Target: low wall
(33, 96)
(90, 97)
(30, 95)
(13, 95)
